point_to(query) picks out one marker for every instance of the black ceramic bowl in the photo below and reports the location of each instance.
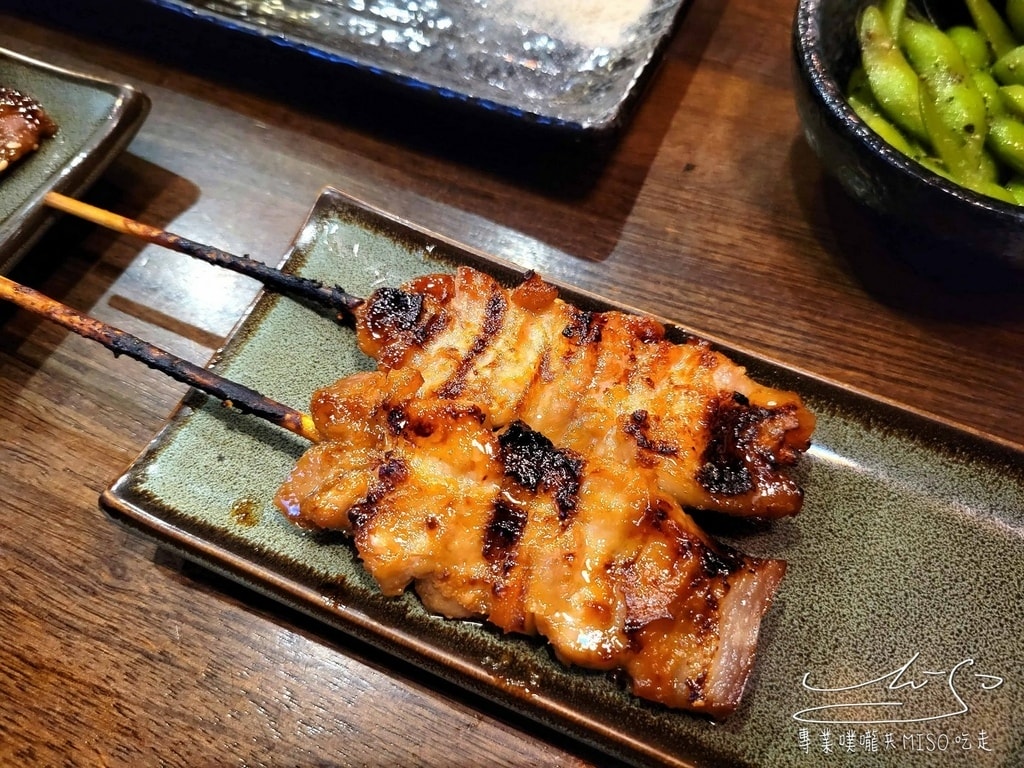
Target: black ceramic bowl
(919, 205)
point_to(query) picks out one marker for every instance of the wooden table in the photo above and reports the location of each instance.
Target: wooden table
(710, 210)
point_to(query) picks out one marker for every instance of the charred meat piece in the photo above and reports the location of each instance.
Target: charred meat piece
(506, 525)
(608, 385)
(23, 126)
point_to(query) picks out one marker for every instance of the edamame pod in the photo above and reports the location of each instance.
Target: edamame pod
(888, 132)
(989, 90)
(1015, 187)
(952, 108)
(1009, 68)
(1006, 141)
(862, 101)
(893, 81)
(979, 176)
(1015, 16)
(1012, 97)
(989, 167)
(991, 189)
(859, 88)
(894, 11)
(973, 47)
(936, 167)
(991, 25)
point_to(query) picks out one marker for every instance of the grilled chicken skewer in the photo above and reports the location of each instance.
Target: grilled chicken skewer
(120, 342)
(506, 526)
(596, 382)
(290, 285)
(608, 384)
(520, 460)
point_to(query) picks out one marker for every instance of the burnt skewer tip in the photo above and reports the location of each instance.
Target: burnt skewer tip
(332, 297)
(120, 342)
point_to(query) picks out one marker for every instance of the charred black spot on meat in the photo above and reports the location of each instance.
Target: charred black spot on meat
(398, 420)
(732, 436)
(402, 422)
(360, 515)
(504, 530)
(695, 687)
(494, 319)
(390, 474)
(720, 563)
(390, 311)
(638, 426)
(583, 326)
(655, 515)
(435, 325)
(535, 463)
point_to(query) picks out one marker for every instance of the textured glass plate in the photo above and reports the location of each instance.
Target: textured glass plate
(908, 554)
(571, 63)
(96, 120)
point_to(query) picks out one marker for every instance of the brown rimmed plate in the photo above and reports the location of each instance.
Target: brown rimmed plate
(895, 637)
(96, 119)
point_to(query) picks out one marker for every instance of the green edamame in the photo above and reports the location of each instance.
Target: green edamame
(1012, 97)
(952, 108)
(989, 90)
(1009, 68)
(951, 100)
(1015, 187)
(877, 122)
(893, 81)
(1006, 141)
(894, 11)
(991, 25)
(973, 47)
(1015, 17)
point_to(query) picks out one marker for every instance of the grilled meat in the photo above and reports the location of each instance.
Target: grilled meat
(606, 385)
(504, 524)
(23, 126)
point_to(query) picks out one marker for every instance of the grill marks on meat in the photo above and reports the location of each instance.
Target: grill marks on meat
(502, 524)
(23, 126)
(607, 384)
(534, 463)
(520, 460)
(494, 313)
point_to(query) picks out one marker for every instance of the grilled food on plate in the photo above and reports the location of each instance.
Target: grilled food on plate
(23, 126)
(607, 384)
(502, 524)
(519, 460)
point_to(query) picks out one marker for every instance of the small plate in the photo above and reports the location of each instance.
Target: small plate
(575, 64)
(96, 119)
(905, 566)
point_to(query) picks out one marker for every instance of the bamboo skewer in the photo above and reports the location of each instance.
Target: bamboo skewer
(120, 342)
(291, 285)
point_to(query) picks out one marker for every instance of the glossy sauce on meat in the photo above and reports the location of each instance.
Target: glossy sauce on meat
(506, 525)
(23, 126)
(607, 384)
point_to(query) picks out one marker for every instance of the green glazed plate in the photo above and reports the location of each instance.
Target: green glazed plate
(895, 639)
(96, 119)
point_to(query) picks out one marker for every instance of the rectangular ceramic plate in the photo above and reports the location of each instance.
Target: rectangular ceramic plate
(906, 564)
(96, 119)
(572, 63)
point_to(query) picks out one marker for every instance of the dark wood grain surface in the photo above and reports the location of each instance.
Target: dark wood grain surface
(710, 209)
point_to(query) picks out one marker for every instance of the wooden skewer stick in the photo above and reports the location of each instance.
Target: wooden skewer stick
(120, 342)
(291, 285)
